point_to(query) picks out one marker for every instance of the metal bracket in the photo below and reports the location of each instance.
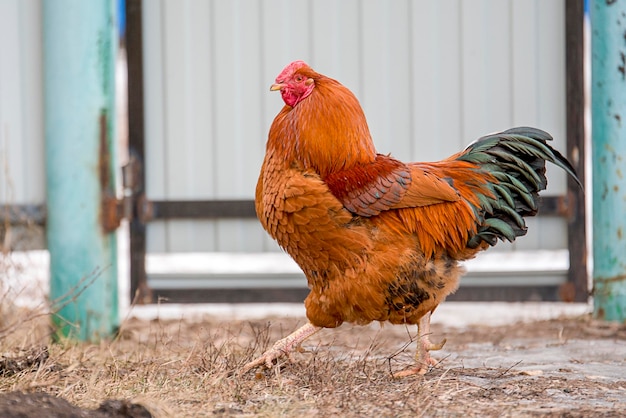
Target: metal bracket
(114, 209)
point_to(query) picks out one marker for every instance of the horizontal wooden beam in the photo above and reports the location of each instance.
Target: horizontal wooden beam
(23, 214)
(155, 210)
(152, 210)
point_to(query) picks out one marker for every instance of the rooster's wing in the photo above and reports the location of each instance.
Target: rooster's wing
(386, 183)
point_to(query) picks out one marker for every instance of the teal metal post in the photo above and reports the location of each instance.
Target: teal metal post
(79, 79)
(608, 91)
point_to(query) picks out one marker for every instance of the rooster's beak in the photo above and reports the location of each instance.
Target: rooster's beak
(277, 86)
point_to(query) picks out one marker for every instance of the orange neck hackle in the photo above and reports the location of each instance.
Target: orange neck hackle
(326, 131)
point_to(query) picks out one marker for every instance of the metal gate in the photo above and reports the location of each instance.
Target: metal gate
(144, 211)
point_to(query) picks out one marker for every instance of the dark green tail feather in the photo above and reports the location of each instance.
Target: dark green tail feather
(517, 159)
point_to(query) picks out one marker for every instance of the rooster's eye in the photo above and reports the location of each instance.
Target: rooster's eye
(298, 78)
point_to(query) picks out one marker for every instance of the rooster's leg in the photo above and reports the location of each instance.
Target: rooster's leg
(282, 347)
(424, 345)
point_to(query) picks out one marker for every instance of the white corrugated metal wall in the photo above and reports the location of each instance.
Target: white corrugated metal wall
(431, 76)
(22, 172)
(21, 108)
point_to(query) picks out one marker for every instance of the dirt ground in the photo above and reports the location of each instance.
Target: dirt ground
(570, 367)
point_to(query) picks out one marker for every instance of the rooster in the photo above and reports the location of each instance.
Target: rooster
(379, 239)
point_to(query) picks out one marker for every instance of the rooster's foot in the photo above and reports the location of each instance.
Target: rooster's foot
(422, 358)
(424, 346)
(283, 347)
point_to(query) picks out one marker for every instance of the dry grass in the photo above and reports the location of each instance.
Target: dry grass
(180, 368)
(186, 369)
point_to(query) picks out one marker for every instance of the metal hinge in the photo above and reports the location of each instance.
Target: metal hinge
(114, 209)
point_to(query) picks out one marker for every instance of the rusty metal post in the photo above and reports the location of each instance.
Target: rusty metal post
(79, 79)
(608, 91)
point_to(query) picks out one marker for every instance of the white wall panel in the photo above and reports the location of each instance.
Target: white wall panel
(22, 170)
(431, 76)
(435, 80)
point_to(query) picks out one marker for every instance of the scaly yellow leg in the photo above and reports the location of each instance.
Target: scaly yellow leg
(424, 345)
(282, 347)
